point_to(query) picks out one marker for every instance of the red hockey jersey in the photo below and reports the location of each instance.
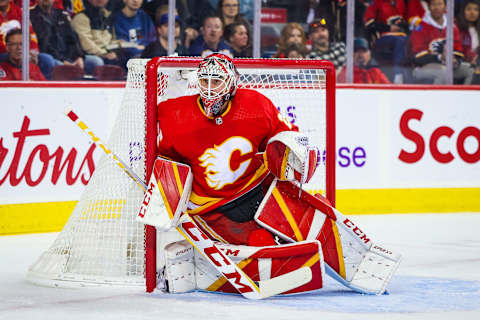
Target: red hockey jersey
(221, 151)
(385, 12)
(13, 20)
(429, 40)
(9, 71)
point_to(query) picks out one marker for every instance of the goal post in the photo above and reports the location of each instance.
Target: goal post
(102, 244)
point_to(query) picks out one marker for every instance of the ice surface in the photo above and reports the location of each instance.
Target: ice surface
(439, 278)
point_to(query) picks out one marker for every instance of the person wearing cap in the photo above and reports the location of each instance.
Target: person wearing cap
(188, 33)
(365, 68)
(322, 48)
(134, 28)
(160, 48)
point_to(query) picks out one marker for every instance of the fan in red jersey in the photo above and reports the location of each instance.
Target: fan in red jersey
(243, 167)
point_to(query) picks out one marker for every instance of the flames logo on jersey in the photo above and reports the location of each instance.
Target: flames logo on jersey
(216, 161)
(437, 45)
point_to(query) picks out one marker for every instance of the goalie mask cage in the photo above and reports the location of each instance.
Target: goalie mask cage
(101, 243)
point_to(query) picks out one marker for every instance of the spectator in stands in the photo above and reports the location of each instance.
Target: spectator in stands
(160, 48)
(246, 7)
(365, 69)
(468, 23)
(11, 69)
(237, 36)
(94, 29)
(322, 48)
(187, 34)
(333, 10)
(11, 18)
(386, 25)
(210, 39)
(134, 28)
(57, 38)
(229, 12)
(295, 51)
(292, 33)
(75, 6)
(428, 48)
(190, 12)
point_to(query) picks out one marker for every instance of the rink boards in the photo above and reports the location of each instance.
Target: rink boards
(398, 150)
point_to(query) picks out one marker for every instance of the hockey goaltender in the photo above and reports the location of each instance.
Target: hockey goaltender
(225, 194)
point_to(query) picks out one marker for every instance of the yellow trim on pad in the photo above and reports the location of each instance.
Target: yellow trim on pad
(288, 215)
(341, 262)
(314, 259)
(222, 280)
(177, 178)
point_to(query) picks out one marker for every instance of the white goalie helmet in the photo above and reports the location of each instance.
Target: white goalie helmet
(217, 82)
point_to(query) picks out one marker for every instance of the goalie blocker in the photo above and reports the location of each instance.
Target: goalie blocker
(314, 227)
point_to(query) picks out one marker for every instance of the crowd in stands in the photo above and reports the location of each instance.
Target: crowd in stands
(396, 41)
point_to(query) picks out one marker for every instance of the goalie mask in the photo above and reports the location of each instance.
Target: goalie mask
(217, 82)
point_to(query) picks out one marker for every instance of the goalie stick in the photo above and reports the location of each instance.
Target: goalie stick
(206, 247)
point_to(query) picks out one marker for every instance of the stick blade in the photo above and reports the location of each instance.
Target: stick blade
(285, 282)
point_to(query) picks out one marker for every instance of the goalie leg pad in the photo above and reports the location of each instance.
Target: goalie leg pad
(179, 273)
(183, 269)
(350, 255)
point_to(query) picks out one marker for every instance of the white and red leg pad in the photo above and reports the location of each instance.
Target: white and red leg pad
(186, 270)
(289, 157)
(351, 257)
(167, 194)
(178, 274)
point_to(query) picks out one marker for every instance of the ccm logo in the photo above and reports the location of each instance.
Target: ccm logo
(356, 230)
(443, 131)
(230, 252)
(146, 200)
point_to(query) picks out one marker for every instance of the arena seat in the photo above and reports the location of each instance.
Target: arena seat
(109, 73)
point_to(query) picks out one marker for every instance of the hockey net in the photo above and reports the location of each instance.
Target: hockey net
(102, 244)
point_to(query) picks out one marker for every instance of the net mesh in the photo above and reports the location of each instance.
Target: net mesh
(102, 244)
